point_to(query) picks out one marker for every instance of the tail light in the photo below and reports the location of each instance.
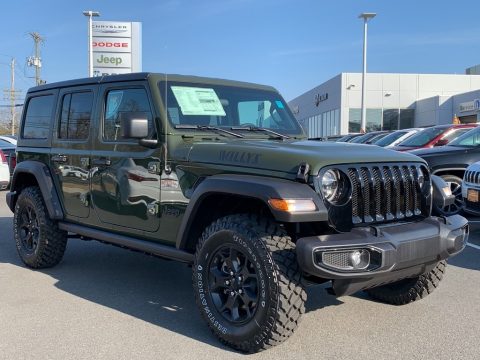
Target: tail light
(13, 161)
(3, 157)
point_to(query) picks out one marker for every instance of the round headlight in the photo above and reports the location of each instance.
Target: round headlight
(329, 184)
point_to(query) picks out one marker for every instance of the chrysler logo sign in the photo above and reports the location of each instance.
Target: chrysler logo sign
(110, 29)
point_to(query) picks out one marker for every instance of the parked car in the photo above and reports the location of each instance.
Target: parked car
(396, 137)
(331, 138)
(369, 137)
(450, 163)
(349, 137)
(12, 139)
(7, 163)
(434, 136)
(471, 189)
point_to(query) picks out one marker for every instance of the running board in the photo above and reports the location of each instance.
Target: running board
(148, 247)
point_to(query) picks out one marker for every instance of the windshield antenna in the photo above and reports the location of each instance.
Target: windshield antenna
(167, 168)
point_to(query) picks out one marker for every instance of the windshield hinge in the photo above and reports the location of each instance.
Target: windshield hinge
(302, 173)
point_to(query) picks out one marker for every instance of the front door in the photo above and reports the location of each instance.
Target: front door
(125, 189)
(70, 153)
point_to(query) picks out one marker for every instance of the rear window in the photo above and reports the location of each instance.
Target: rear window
(38, 116)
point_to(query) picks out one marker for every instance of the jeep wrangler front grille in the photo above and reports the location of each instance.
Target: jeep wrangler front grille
(381, 193)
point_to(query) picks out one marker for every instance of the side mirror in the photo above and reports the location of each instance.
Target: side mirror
(441, 142)
(134, 125)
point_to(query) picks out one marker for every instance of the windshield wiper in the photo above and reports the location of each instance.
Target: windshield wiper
(207, 127)
(256, 128)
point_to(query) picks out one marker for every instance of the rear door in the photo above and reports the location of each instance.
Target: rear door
(125, 191)
(71, 149)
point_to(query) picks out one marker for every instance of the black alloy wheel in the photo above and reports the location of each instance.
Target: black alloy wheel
(29, 229)
(233, 284)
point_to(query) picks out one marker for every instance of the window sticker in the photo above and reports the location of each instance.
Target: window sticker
(198, 101)
(279, 104)
(114, 100)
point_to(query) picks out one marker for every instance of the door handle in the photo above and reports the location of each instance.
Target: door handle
(60, 158)
(101, 162)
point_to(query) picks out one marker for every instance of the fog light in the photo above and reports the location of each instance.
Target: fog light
(360, 259)
(345, 260)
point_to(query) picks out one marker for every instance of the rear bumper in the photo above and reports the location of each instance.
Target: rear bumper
(396, 251)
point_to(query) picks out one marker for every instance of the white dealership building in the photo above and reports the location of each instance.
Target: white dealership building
(393, 101)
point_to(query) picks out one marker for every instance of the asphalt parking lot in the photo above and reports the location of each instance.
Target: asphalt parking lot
(102, 302)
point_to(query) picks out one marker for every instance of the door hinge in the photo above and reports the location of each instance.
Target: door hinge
(152, 209)
(154, 167)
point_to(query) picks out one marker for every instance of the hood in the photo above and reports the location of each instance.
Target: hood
(286, 156)
(438, 151)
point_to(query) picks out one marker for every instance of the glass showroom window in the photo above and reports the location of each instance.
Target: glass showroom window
(354, 117)
(374, 120)
(407, 117)
(390, 119)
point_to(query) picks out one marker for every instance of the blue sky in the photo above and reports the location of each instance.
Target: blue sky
(290, 44)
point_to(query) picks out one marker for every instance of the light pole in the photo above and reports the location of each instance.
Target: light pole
(90, 14)
(366, 17)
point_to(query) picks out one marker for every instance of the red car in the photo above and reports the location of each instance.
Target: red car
(435, 136)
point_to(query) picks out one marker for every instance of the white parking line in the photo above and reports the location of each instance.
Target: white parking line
(473, 246)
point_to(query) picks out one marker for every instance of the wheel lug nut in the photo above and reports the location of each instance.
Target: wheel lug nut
(231, 273)
(227, 282)
(232, 293)
(240, 291)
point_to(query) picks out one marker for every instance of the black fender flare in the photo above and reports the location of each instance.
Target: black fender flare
(255, 187)
(44, 179)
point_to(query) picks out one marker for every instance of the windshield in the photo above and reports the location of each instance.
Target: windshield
(228, 106)
(469, 139)
(423, 137)
(390, 138)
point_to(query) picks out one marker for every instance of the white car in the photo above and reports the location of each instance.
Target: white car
(471, 189)
(396, 137)
(4, 171)
(10, 139)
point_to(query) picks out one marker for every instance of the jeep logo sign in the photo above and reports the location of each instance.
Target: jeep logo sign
(116, 47)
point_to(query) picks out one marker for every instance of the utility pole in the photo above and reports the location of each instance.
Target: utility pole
(35, 60)
(12, 94)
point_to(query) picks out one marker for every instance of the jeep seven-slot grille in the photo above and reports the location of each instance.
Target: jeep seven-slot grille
(472, 177)
(383, 193)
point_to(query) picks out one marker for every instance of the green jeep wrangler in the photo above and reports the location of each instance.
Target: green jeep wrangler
(219, 175)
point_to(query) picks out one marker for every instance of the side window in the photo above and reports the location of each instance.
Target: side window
(76, 115)
(37, 117)
(122, 101)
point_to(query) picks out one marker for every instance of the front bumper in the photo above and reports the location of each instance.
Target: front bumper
(399, 250)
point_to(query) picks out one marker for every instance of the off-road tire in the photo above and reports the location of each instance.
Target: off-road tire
(409, 290)
(51, 241)
(280, 308)
(457, 207)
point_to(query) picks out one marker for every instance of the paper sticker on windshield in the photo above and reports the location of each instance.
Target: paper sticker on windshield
(279, 104)
(198, 101)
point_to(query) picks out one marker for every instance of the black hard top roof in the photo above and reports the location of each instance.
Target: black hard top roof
(145, 76)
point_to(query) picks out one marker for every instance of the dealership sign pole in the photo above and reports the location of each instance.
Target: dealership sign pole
(90, 14)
